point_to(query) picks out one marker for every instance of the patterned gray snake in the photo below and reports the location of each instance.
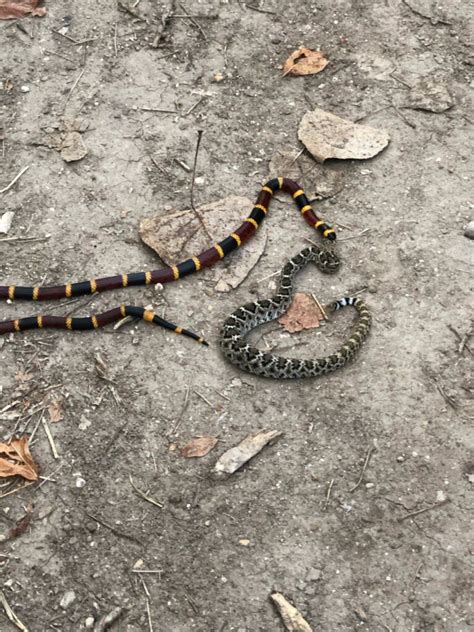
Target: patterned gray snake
(246, 318)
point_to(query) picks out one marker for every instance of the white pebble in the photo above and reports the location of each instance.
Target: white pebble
(469, 231)
(25, 89)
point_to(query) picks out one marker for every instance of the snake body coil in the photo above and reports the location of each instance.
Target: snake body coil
(251, 315)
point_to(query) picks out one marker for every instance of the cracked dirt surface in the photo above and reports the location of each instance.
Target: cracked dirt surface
(346, 559)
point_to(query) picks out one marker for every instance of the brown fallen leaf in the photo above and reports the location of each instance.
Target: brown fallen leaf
(13, 9)
(233, 459)
(199, 446)
(16, 460)
(291, 617)
(21, 525)
(55, 412)
(304, 61)
(179, 235)
(302, 314)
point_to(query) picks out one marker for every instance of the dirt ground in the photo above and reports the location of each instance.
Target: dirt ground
(395, 553)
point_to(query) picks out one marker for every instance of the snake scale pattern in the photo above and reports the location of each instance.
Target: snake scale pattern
(251, 315)
(168, 274)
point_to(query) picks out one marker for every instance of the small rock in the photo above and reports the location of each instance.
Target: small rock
(369, 485)
(430, 95)
(469, 231)
(244, 542)
(25, 89)
(89, 622)
(440, 496)
(68, 598)
(314, 575)
(80, 482)
(73, 147)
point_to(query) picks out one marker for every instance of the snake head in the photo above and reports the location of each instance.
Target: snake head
(328, 261)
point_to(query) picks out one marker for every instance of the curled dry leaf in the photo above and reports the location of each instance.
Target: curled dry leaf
(13, 9)
(237, 456)
(199, 446)
(302, 314)
(304, 61)
(291, 617)
(16, 460)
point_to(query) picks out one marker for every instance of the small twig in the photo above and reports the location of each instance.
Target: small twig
(25, 239)
(447, 398)
(10, 614)
(328, 494)
(52, 52)
(17, 177)
(118, 533)
(138, 570)
(254, 8)
(115, 39)
(191, 193)
(364, 467)
(462, 339)
(320, 307)
(182, 411)
(182, 164)
(162, 111)
(193, 107)
(74, 86)
(50, 437)
(144, 495)
(17, 489)
(204, 399)
(420, 511)
(361, 234)
(196, 24)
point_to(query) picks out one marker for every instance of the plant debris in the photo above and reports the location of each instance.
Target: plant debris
(182, 234)
(14, 9)
(302, 314)
(200, 446)
(319, 180)
(304, 61)
(291, 617)
(429, 95)
(233, 459)
(326, 135)
(16, 460)
(6, 222)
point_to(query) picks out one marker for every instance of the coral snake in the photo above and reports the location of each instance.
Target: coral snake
(167, 274)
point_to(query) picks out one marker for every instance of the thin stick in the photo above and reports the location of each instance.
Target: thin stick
(9, 186)
(204, 399)
(50, 437)
(254, 8)
(52, 52)
(321, 308)
(364, 232)
(74, 85)
(143, 495)
(137, 570)
(106, 621)
(328, 494)
(193, 107)
(196, 24)
(364, 467)
(17, 489)
(420, 511)
(191, 193)
(11, 615)
(25, 239)
(121, 534)
(115, 39)
(162, 111)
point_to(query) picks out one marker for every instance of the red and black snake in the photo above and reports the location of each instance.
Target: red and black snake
(167, 274)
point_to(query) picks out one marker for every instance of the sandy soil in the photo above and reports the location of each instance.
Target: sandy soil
(346, 558)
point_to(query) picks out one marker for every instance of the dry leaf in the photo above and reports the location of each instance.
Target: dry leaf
(13, 9)
(55, 412)
(328, 136)
(302, 314)
(72, 147)
(304, 61)
(237, 456)
(180, 235)
(198, 447)
(16, 460)
(291, 617)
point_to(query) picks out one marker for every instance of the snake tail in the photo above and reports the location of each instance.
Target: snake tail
(94, 322)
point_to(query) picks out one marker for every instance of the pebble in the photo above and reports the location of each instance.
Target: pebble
(25, 89)
(89, 622)
(469, 232)
(68, 598)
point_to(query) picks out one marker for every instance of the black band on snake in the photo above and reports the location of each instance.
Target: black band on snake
(243, 320)
(167, 274)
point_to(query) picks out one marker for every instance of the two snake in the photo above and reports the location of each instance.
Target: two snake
(242, 321)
